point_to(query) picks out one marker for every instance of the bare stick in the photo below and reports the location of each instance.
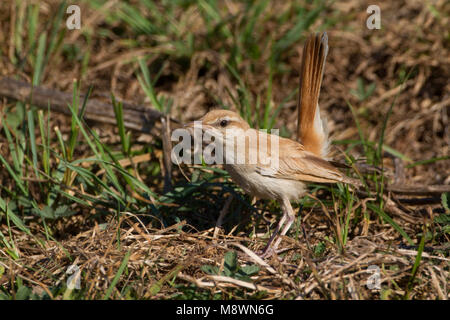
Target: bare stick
(167, 147)
(222, 214)
(136, 117)
(417, 190)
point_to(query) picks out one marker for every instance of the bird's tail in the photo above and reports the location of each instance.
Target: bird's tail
(312, 131)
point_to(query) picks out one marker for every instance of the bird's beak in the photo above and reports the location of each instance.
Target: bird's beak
(191, 126)
(197, 124)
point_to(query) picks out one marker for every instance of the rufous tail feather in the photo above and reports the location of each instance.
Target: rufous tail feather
(311, 131)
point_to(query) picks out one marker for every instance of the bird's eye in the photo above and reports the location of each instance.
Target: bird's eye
(223, 123)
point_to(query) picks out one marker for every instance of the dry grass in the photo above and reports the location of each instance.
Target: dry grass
(169, 250)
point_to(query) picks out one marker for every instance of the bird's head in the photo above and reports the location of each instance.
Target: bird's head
(223, 121)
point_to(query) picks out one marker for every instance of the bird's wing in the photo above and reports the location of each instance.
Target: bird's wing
(295, 163)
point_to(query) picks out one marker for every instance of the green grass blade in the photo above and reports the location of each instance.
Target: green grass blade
(18, 180)
(14, 218)
(428, 161)
(389, 220)
(358, 126)
(147, 85)
(39, 64)
(30, 119)
(396, 153)
(117, 276)
(416, 265)
(45, 142)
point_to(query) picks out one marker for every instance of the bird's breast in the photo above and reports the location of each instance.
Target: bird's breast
(264, 187)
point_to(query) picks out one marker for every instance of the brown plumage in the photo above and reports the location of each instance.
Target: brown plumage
(311, 131)
(281, 172)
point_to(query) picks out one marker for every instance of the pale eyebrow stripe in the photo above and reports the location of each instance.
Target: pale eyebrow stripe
(227, 118)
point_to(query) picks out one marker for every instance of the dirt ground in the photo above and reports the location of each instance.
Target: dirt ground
(404, 65)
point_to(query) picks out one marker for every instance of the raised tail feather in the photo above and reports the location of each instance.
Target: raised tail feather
(311, 131)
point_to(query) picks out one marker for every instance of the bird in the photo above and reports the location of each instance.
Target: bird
(283, 168)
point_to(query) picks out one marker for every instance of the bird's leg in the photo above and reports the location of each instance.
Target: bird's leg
(288, 217)
(267, 250)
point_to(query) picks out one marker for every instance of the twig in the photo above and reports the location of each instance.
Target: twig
(222, 214)
(418, 201)
(43, 286)
(196, 282)
(417, 190)
(255, 257)
(424, 254)
(136, 117)
(391, 206)
(435, 283)
(414, 190)
(240, 283)
(399, 171)
(167, 148)
(172, 227)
